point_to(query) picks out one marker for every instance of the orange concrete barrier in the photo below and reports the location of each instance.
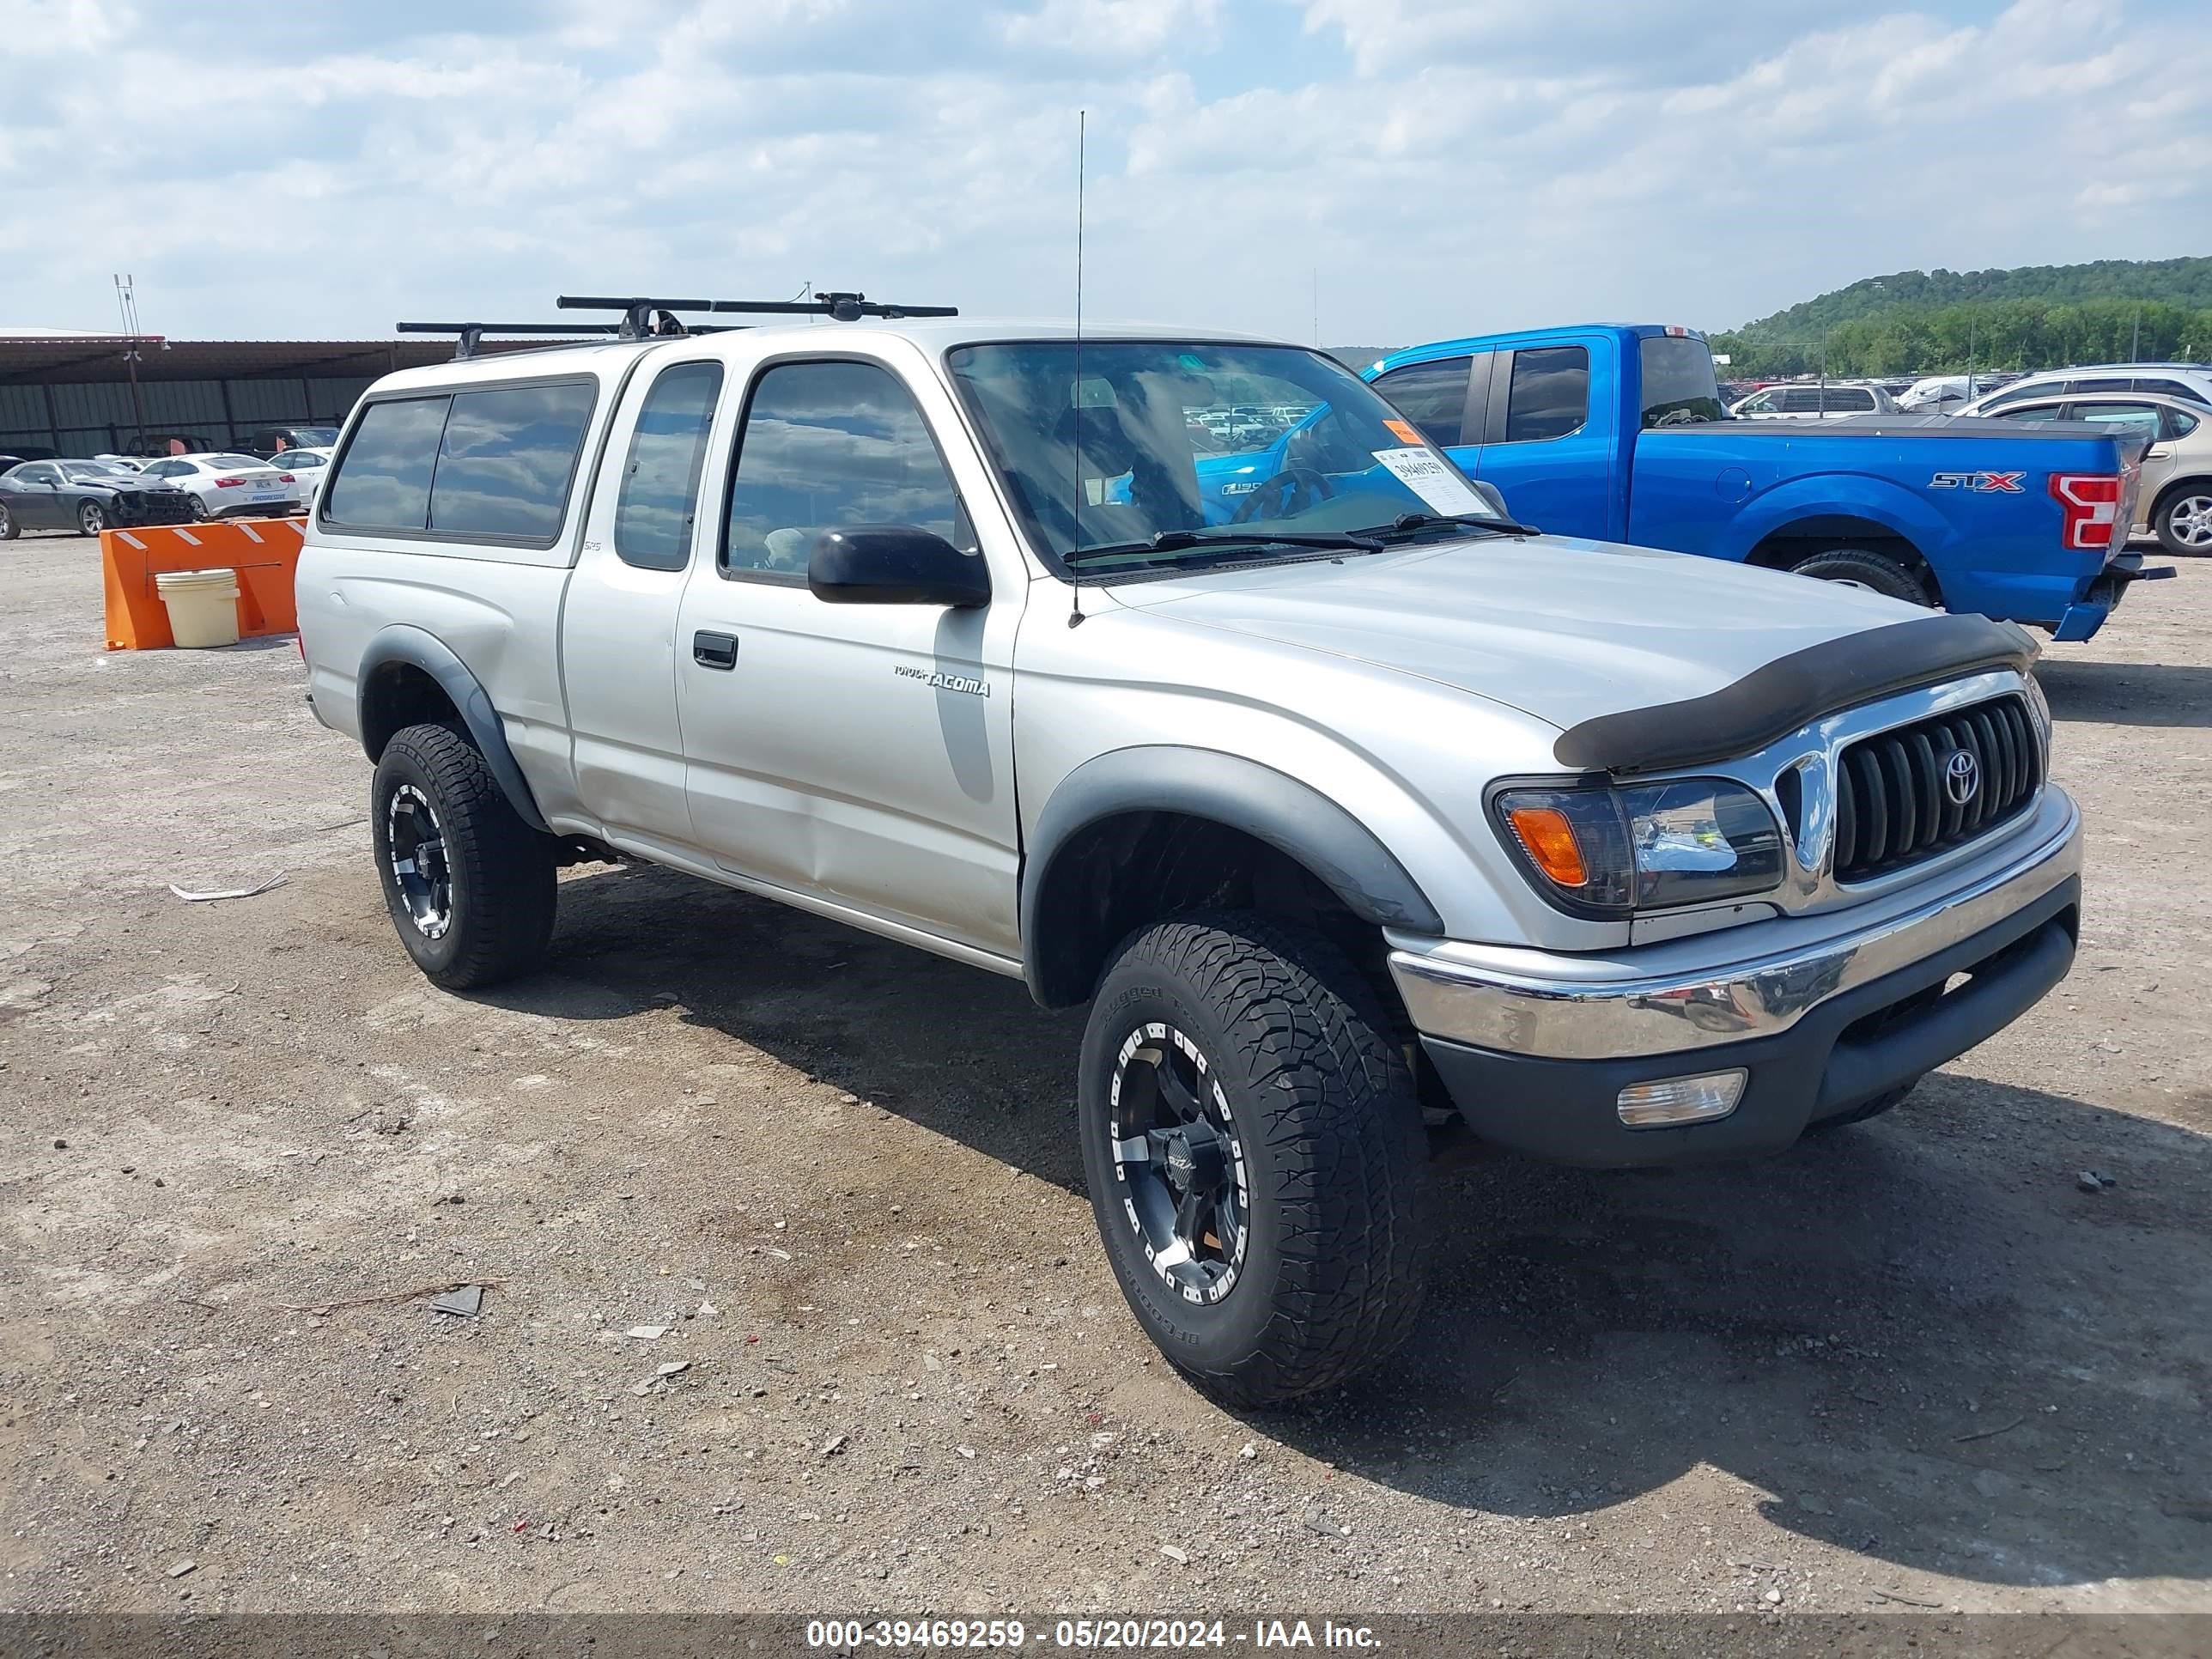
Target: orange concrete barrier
(264, 552)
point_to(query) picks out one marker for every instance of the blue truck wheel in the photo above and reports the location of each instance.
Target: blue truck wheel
(1860, 566)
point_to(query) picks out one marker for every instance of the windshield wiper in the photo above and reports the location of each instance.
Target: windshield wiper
(1175, 541)
(1407, 522)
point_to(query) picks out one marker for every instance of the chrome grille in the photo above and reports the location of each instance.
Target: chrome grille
(1895, 803)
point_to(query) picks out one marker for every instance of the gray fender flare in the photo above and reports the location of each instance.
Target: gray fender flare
(402, 643)
(1271, 807)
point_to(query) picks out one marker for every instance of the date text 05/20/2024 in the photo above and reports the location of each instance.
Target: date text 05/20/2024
(853, 1635)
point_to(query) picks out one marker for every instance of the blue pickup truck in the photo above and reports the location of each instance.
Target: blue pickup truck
(1618, 434)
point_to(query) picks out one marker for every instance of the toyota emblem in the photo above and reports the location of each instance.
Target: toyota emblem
(1962, 776)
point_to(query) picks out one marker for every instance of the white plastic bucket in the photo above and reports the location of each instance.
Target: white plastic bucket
(202, 606)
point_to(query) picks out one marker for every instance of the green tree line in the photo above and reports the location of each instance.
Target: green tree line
(2022, 334)
(2185, 283)
(1943, 322)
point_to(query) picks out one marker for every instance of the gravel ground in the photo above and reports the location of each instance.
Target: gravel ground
(1914, 1365)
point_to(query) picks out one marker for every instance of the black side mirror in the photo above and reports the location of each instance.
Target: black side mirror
(894, 564)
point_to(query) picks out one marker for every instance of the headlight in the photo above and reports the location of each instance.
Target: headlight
(1611, 852)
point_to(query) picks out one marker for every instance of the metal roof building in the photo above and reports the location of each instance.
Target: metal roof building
(89, 394)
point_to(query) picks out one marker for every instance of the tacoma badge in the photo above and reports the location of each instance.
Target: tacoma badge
(940, 681)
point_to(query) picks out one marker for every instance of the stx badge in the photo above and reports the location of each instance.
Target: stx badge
(1982, 483)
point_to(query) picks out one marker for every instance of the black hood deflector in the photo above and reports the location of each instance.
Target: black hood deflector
(1792, 691)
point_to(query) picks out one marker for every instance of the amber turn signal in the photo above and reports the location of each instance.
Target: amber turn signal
(1550, 839)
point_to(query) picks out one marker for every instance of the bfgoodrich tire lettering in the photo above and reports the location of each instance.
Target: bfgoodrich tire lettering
(469, 886)
(1313, 1273)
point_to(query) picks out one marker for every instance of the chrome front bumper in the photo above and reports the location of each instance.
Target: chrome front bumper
(1661, 1001)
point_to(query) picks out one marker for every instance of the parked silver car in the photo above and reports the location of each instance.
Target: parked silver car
(2191, 382)
(1360, 815)
(1837, 400)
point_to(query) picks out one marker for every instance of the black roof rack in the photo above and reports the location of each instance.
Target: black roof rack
(470, 335)
(642, 314)
(646, 317)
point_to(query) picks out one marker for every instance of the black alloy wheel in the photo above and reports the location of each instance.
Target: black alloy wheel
(1254, 1153)
(1180, 1163)
(470, 887)
(422, 870)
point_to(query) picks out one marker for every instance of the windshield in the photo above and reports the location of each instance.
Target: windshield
(1164, 438)
(317, 437)
(96, 472)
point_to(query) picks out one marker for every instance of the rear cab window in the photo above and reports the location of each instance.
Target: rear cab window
(493, 462)
(1680, 387)
(659, 500)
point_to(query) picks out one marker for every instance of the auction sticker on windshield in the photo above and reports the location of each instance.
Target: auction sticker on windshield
(1434, 479)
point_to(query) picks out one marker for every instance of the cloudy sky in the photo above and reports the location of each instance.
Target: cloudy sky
(1432, 167)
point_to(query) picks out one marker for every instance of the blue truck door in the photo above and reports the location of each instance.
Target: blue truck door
(1546, 443)
(1446, 397)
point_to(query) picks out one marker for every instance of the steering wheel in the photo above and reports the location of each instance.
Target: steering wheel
(1275, 494)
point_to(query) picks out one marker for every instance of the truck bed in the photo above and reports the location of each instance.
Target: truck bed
(1972, 497)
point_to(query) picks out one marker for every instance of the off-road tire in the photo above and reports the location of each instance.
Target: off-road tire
(1335, 1156)
(9, 528)
(1861, 566)
(1860, 1114)
(502, 886)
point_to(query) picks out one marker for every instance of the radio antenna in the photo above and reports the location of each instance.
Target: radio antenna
(1075, 392)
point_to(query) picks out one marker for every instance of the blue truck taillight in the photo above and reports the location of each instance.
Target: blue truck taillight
(2089, 504)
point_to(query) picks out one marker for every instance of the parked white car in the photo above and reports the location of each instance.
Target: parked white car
(1939, 394)
(308, 467)
(1835, 401)
(227, 486)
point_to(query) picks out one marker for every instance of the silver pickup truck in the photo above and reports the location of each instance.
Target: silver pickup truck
(1360, 815)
